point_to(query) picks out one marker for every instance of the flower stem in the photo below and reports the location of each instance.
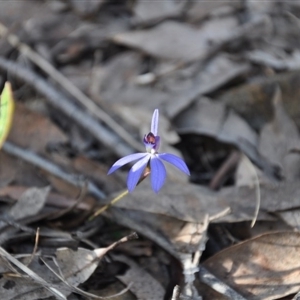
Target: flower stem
(112, 202)
(119, 197)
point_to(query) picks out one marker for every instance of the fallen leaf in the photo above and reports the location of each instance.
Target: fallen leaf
(53, 199)
(209, 118)
(30, 203)
(281, 61)
(34, 131)
(201, 9)
(177, 41)
(191, 203)
(278, 138)
(253, 101)
(115, 83)
(73, 267)
(291, 217)
(220, 70)
(146, 11)
(87, 8)
(144, 286)
(265, 267)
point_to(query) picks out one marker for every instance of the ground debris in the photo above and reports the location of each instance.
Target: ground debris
(86, 78)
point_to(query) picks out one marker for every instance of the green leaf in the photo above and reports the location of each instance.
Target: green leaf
(6, 112)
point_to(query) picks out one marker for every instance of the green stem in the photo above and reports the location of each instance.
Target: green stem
(119, 197)
(112, 202)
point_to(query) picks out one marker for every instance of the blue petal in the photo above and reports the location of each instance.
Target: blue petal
(175, 161)
(125, 160)
(154, 122)
(158, 173)
(136, 171)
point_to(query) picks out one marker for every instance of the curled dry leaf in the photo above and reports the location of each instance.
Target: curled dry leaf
(265, 267)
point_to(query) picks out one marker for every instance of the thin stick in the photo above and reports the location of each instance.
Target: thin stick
(221, 214)
(50, 167)
(219, 286)
(176, 293)
(59, 78)
(65, 105)
(37, 236)
(112, 202)
(228, 165)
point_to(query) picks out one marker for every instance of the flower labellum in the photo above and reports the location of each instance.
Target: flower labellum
(151, 159)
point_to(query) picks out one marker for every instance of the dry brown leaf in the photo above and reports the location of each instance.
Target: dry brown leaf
(200, 9)
(260, 7)
(74, 267)
(87, 8)
(98, 173)
(34, 131)
(204, 117)
(291, 217)
(68, 261)
(116, 83)
(209, 118)
(53, 199)
(254, 101)
(265, 267)
(153, 11)
(177, 41)
(18, 171)
(220, 70)
(278, 61)
(30, 203)
(189, 202)
(10, 12)
(144, 285)
(278, 138)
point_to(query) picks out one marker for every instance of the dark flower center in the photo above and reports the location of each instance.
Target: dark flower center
(150, 138)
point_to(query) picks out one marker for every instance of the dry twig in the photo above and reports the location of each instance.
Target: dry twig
(59, 78)
(219, 286)
(66, 106)
(51, 168)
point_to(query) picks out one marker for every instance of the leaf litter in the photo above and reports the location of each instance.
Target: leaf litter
(224, 76)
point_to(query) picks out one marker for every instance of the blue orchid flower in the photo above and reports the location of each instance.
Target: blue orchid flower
(151, 159)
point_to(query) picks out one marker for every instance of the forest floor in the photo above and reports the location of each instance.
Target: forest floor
(87, 77)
